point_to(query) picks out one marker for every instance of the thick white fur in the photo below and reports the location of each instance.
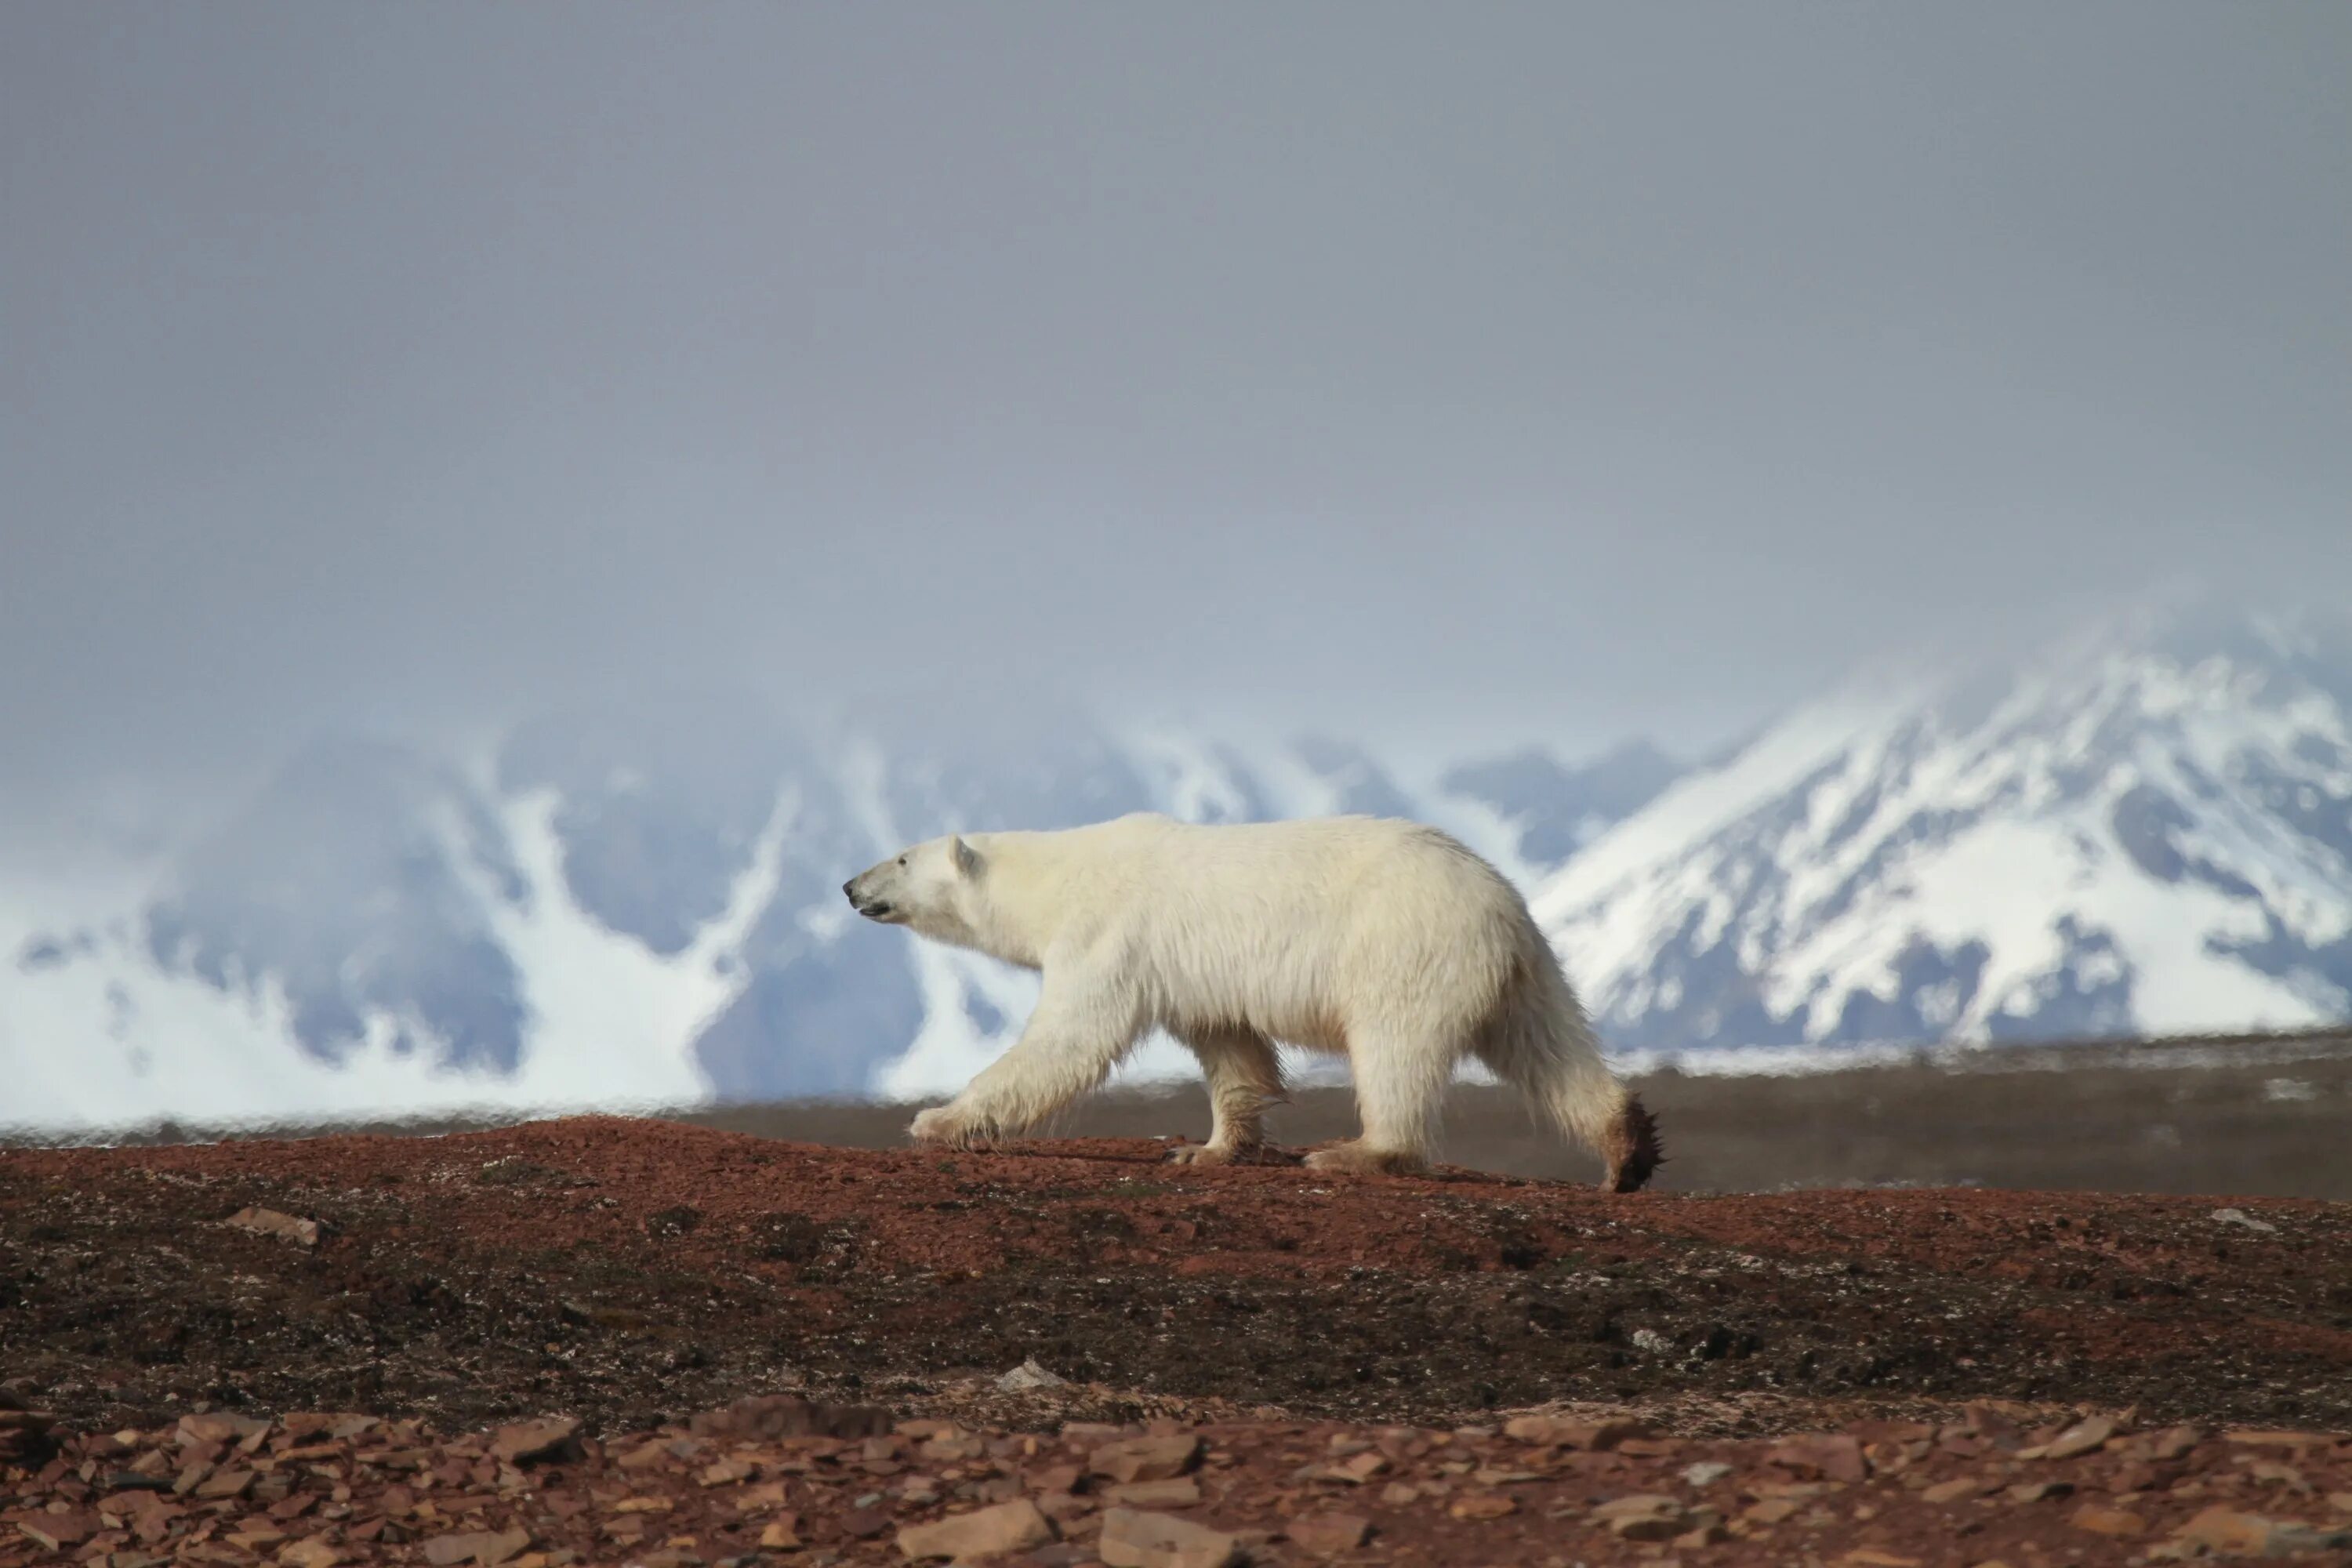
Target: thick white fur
(1383, 940)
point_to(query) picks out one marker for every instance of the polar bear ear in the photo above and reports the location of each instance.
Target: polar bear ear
(967, 858)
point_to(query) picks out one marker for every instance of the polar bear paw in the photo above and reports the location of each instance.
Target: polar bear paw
(945, 1127)
(1355, 1155)
(1225, 1155)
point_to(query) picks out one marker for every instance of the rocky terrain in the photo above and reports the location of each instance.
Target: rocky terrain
(603, 1339)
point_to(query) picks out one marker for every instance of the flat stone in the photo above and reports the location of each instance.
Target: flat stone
(445, 1551)
(1132, 1539)
(223, 1484)
(1146, 1458)
(2103, 1520)
(57, 1532)
(1832, 1455)
(2081, 1438)
(529, 1442)
(1484, 1505)
(270, 1222)
(1553, 1431)
(1328, 1534)
(2227, 1531)
(997, 1531)
(1644, 1516)
(2253, 1437)
(1027, 1375)
(1182, 1492)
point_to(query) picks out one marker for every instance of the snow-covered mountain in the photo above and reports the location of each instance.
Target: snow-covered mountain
(630, 906)
(2148, 828)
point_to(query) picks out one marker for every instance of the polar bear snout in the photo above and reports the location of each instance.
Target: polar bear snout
(871, 905)
(877, 893)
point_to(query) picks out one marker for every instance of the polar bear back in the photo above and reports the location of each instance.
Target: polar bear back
(1310, 931)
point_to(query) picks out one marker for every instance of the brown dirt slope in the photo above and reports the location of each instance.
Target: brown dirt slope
(627, 1274)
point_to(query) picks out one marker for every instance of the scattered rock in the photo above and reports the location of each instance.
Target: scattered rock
(1493, 1478)
(57, 1532)
(2280, 1474)
(1835, 1455)
(1352, 1471)
(483, 1547)
(1182, 1492)
(1328, 1534)
(1553, 1431)
(2078, 1439)
(1705, 1474)
(1134, 1540)
(1028, 1375)
(2104, 1520)
(770, 1416)
(2258, 1438)
(2234, 1534)
(1644, 1516)
(1484, 1505)
(2240, 1218)
(270, 1222)
(222, 1485)
(997, 1531)
(1146, 1458)
(530, 1442)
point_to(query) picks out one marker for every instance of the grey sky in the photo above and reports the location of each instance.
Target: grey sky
(1425, 370)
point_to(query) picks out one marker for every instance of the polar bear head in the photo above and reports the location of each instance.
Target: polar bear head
(931, 887)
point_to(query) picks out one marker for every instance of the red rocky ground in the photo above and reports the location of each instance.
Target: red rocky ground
(719, 1348)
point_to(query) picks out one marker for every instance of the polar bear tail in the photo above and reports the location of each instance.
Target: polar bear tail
(1542, 1044)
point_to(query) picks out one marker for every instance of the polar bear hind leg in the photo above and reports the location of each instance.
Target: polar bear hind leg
(1400, 1079)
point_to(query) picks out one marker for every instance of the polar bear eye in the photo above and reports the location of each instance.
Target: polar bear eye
(902, 859)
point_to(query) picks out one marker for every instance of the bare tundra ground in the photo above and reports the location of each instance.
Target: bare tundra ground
(640, 1341)
(2253, 1115)
(2269, 1116)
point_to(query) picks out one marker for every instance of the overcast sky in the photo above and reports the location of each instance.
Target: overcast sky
(1431, 371)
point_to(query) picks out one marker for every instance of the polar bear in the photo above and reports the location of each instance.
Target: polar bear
(1381, 939)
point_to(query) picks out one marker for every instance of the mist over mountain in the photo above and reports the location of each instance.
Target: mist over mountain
(2148, 826)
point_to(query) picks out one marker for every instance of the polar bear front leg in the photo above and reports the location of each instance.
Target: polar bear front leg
(1084, 1024)
(1244, 1075)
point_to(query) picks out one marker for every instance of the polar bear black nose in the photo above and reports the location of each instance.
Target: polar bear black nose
(849, 888)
